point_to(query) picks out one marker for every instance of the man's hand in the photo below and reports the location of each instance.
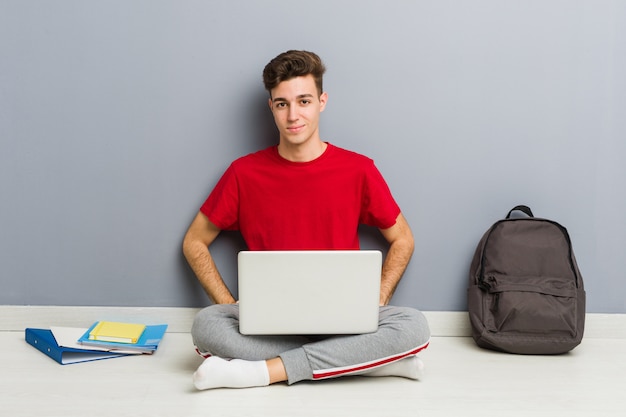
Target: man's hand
(401, 245)
(199, 236)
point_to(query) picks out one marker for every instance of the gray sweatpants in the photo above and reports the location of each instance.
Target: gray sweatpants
(402, 331)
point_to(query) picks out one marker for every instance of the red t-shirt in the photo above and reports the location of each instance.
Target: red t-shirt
(282, 205)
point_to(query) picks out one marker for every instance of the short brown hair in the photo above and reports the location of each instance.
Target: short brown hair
(292, 64)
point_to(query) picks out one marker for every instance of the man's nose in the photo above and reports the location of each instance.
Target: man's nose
(293, 113)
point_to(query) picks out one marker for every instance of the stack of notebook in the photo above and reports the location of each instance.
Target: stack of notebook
(103, 340)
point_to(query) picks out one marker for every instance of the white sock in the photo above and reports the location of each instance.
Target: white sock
(410, 367)
(219, 373)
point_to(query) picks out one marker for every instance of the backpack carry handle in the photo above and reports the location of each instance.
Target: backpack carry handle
(525, 209)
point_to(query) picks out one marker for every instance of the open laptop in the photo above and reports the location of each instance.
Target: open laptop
(309, 292)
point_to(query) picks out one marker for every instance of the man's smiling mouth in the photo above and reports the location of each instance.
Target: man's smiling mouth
(295, 129)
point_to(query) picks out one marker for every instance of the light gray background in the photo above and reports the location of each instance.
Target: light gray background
(118, 117)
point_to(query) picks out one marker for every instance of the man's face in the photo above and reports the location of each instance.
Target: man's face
(296, 106)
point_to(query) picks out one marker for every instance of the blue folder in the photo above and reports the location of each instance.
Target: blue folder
(44, 341)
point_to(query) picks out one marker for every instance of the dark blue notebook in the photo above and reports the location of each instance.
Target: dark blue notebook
(44, 341)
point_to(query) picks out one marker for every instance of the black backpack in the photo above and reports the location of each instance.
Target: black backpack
(525, 291)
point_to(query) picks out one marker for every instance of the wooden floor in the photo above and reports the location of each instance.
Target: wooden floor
(460, 380)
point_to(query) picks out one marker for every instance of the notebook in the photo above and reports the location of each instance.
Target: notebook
(309, 292)
(112, 331)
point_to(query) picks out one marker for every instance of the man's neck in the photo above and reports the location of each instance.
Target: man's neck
(304, 152)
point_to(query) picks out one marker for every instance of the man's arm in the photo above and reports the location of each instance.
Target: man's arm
(401, 246)
(199, 236)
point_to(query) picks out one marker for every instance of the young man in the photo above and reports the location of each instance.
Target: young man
(306, 194)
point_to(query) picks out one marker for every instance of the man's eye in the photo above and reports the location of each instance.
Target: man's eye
(280, 105)
(305, 102)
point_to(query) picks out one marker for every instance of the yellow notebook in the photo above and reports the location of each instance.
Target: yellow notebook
(110, 331)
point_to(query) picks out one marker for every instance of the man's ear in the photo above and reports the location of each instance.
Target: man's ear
(323, 100)
(269, 102)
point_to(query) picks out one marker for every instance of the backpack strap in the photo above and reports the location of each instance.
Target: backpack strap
(525, 209)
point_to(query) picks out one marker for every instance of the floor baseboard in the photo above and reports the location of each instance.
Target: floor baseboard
(179, 319)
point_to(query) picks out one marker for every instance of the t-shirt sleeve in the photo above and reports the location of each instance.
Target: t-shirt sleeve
(222, 205)
(379, 208)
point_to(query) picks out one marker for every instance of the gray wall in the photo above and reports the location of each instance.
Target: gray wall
(118, 117)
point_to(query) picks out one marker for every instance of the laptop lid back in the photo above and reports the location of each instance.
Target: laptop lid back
(309, 292)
